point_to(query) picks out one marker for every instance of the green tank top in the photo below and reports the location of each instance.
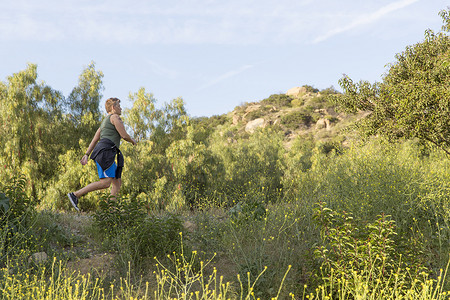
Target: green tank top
(109, 131)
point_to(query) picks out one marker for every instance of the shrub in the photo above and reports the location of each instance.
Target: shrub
(154, 237)
(329, 91)
(16, 239)
(295, 119)
(278, 100)
(135, 235)
(115, 215)
(310, 89)
(71, 176)
(253, 165)
(327, 147)
(297, 102)
(14, 202)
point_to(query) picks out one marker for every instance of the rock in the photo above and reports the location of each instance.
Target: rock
(323, 123)
(250, 109)
(38, 258)
(191, 227)
(253, 125)
(253, 107)
(296, 91)
(236, 119)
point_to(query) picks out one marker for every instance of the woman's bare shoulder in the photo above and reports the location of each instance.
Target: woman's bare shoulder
(115, 118)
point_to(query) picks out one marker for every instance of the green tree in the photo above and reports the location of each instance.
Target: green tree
(83, 103)
(170, 125)
(150, 174)
(195, 169)
(30, 118)
(412, 101)
(141, 118)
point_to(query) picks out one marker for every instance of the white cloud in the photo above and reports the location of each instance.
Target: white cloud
(225, 76)
(192, 22)
(234, 22)
(366, 19)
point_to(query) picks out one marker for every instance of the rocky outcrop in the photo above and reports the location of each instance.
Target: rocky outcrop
(323, 123)
(253, 125)
(250, 109)
(296, 91)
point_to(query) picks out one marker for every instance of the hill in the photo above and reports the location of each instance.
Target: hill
(300, 112)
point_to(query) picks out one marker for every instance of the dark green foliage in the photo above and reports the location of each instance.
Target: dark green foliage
(14, 203)
(157, 236)
(329, 91)
(83, 103)
(115, 215)
(310, 89)
(251, 209)
(252, 167)
(278, 100)
(262, 111)
(15, 216)
(318, 102)
(326, 147)
(209, 122)
(204, 127)
(296, 118)
(4, 204)
(134, 234)
(412, 101)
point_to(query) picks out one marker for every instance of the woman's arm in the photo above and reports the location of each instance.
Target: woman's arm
(91, 147)
(117, 122)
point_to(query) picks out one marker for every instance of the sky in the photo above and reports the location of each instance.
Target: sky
(214, 54)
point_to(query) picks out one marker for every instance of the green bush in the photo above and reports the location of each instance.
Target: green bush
(137, 246)
(69, 177)
(250, 166)
(135, 235)
(278, 100)
(310, 89)
(297, 102)
(16, 210)
(327, 147)
(377, 178)
(14, 202)
(115, 215)
(295, 119)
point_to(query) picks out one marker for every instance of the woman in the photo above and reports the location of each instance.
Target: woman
(104, 149)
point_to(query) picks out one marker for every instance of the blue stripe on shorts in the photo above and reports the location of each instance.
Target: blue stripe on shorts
(109, 173)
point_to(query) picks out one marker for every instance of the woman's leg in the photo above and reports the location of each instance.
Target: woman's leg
(116, 184)
(98, 185)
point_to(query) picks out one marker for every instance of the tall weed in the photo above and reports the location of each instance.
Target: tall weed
(353, 249)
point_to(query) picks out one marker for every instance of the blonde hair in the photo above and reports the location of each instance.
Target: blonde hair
(110, 103)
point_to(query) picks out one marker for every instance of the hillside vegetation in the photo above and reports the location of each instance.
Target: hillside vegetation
(310, 194)
(303, 113)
